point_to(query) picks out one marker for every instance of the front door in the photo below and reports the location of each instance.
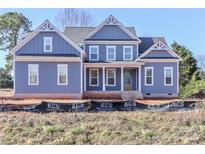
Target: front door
(128, 80)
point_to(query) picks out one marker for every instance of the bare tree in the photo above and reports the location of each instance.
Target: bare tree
(74, 18)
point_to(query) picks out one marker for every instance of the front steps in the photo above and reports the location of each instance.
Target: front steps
(131, 95)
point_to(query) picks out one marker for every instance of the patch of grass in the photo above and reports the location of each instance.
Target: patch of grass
(76, 131)
(52, 129)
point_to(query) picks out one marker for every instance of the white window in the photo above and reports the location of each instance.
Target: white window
(47, 44)
(94, 77)
(168, 76)
(33, 73)
(149, 76)
(62, 74)
(127, 52)
(111, 52)
(93, 53)
(111, 77)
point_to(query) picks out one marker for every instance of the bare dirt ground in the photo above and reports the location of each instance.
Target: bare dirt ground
(8, 93)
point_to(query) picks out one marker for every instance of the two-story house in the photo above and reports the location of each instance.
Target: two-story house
(104, 61)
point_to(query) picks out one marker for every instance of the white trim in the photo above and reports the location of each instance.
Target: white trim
(137, 49)
(29, 69)
(153, 47)
(140, 78)
(111, 42)
(131, 57)
(14, 74)
(122, 78)
(111, 69)
(103, 78)
(177, 77)
(81, 73)
(91, 85)
(159, 60)
(145, 76)
(114, 47)
(94, 46)
(47, 59)
(165, 68)
(85, 80)
(37, 30)
(44, 44)
(115, 64)
(58, 75)
(105, 22)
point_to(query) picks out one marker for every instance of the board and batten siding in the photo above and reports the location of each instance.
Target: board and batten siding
(48, 82)
(158, 82)
(109, 32)
(36, 45)
(119, 51)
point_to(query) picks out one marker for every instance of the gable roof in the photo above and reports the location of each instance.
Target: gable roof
(77, 33)
(111, 20)
(151, 43)
(46, 26)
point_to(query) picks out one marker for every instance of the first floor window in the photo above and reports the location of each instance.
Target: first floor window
(168, 75)
(111, 76)
(148, 76)
(33, 74)
(93, 52)
(94, 77)
(62, 74)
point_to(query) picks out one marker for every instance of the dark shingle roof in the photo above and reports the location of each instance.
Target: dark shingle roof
(147, 42)
(77, 33)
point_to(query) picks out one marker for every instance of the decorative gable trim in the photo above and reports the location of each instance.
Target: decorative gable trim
(46, 26)
(111, 20)
(159, 45)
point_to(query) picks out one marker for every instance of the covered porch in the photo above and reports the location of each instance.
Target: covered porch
(112, 79)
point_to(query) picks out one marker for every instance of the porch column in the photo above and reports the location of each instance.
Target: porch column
(103, 77)
(139, 81)
(122, 78)
(84, 78)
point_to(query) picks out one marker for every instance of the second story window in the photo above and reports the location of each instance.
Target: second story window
(127, 53)
(93, 53)
(47, 44)
(111, 52)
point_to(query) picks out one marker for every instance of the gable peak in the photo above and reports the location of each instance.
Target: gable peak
(159, 45)
(111, 20)
(46, 26)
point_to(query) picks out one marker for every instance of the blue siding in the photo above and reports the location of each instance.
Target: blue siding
(35, 45)
(110, 32)
(110, 88)
(119, 51)
(158, 87)
(159, 54)
(47, 78)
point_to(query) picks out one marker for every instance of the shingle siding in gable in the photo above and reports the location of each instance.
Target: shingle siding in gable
(157, 54)
(36, 46)
(110, 32)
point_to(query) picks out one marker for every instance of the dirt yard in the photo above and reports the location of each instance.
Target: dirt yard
(8, 93)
